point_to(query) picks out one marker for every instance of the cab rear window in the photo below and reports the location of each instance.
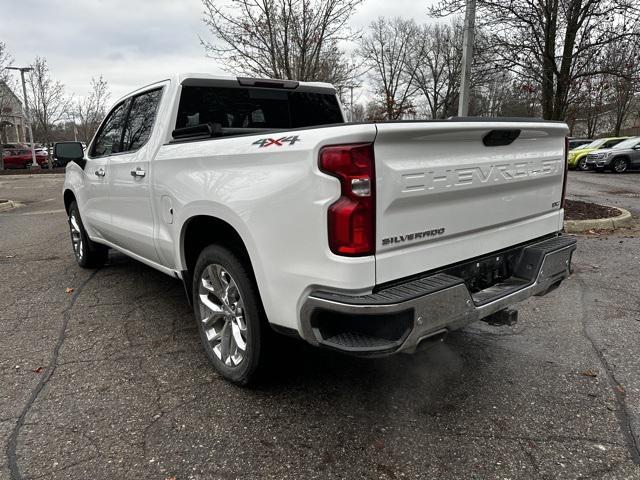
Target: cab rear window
(246, 110)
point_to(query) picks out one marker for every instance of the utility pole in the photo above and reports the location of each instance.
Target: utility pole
(351, 87)
(467, 57)
(351, 104)
(34, 163)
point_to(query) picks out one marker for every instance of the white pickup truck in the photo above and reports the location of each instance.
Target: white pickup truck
(366, 238)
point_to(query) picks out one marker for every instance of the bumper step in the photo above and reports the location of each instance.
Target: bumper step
(399, 316)
(398, 293)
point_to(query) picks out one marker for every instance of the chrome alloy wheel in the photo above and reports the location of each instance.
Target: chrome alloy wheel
(619, 165)
(222, 315)
(76, 236)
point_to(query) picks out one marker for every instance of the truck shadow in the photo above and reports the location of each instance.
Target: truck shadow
(434, 377)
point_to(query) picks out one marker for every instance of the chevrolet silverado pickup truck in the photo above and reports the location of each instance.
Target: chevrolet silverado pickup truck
(279, 217)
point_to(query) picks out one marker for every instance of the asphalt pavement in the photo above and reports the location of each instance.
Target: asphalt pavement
(108, 380)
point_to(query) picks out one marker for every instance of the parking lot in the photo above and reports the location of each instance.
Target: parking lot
(108, 380)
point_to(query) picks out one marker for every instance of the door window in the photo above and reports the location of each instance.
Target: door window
(140, 120)
(109, 137)
(612, 143)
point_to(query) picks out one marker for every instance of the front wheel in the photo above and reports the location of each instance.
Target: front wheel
(582, 164)
(88, 253)
(229, 314)
(619, 165)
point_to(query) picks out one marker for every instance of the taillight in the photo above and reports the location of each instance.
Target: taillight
(566, 171)
(351, 218)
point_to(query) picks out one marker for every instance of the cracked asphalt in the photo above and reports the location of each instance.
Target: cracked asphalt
(109, 381)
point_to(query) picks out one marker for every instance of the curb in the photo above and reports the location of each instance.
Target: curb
(9, 176)
(6, 205)
(612, 223)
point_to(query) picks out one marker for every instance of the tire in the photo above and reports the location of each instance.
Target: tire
(88, 254)
(28, 165)
(582, 164)
(229, 313)
(619, 165)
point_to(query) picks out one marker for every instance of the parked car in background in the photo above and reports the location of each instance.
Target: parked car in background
(578, 156)
(622, 157)
(22, 158)
(578, 142)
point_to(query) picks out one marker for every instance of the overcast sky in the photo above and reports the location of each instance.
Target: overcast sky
(130, 42)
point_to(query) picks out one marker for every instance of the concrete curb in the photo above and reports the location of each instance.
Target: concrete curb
(612, 223)
(6, 205)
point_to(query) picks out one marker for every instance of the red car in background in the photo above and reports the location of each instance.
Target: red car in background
(22, 158)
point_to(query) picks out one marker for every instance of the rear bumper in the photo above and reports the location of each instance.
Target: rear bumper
(397, 318)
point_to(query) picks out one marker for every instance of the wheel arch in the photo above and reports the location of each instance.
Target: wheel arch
(624, 157)
(68, 197)
(202, 230)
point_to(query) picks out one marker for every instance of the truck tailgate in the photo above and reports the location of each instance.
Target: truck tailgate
(443, 196)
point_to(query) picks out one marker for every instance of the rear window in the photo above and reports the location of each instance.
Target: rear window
(255, 108)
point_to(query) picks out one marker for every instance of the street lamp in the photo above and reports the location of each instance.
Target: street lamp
(34, 163)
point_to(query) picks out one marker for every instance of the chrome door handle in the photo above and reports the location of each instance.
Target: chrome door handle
(138, 172)
(100, 172)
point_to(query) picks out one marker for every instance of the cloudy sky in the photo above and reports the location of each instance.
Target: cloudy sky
(130, 42)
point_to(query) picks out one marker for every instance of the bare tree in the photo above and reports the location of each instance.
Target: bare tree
(621, 59)
(47, 100)
(90, 110)
(290, 39)
(590, 105)
(386, 50)
(435, 60)
(552, 43)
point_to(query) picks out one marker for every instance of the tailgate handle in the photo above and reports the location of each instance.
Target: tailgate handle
(500, 138)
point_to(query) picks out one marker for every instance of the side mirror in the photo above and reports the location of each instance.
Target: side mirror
(65, 152)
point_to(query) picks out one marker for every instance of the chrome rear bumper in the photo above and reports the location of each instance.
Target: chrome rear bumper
(397, 318)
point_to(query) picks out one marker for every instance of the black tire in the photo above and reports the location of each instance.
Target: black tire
(218, 260)
(582, 164)
(619, 165)
(28, 165)
(88, 254)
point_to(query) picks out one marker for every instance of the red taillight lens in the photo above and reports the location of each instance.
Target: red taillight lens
(566, 171)
(351, 219)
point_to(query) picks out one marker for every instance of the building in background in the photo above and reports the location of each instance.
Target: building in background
(11, 116)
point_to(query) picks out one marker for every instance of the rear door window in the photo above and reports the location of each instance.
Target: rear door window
(237, 109)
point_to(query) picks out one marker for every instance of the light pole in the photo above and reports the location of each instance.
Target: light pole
(34, 163)
(467, 57)
(351, 87)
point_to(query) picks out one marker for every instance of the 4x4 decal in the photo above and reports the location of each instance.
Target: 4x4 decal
(278, 142)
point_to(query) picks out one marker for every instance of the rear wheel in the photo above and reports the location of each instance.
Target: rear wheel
(88, 254)
(229, 314)
(28, 165)
(619, 165)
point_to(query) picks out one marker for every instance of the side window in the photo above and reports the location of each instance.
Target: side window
(140, 120)
(109, 137)
(612, 143)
